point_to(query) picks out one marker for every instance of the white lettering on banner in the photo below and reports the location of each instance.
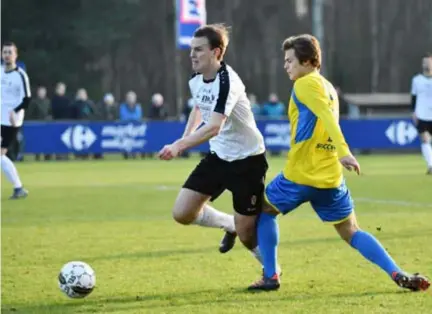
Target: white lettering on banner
(124, 137)
(401, 133)
(78, 137)
(185, 40)
(193, 12)
(277, 134)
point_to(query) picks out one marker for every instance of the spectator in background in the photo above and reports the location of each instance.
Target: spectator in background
(256, 107)
(82, 108)
(107, 109)
(40, 109)
(60, 109)
(157, 109)
(157, 112)
(273, 109)
(60, 104)
(130, 111)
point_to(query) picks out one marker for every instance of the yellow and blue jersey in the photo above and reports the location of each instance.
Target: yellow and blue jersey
(313, 172)
(317, 141)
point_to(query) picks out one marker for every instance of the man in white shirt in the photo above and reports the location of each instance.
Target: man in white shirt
(15, 98)
(223, 116)
(421, 94)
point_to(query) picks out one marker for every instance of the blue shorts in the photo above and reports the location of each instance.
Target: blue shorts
(332, 205)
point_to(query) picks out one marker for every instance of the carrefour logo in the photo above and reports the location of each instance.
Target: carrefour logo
(78, 137)
(401, 133)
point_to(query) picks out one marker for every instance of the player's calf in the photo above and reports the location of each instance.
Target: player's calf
(347, 228)
(246, 230)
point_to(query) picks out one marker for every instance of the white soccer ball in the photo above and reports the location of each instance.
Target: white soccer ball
(77, 279)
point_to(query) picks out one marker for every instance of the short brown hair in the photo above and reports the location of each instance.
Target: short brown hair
(10, 44)
(427, 55)
(306, 48)
(217, 36)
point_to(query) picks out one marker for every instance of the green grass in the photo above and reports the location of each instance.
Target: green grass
(115, 215)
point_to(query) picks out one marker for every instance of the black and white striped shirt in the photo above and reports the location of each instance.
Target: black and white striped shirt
(15, 94)
(239, 137)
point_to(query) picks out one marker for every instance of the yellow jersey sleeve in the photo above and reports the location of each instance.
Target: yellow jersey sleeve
(312, 93)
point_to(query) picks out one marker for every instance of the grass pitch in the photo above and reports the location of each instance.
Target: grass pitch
(115, 215)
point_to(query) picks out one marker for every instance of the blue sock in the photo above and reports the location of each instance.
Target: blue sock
(372, 250)
(268, 238)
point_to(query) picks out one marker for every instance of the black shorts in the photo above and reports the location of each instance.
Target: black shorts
(244, 178)
(424, 126)
(8, 135)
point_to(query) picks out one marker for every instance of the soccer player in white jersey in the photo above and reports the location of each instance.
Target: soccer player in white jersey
(421, 93)
(15, 98)
(236, 161)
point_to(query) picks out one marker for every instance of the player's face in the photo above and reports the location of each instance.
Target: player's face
(292, 65)
(201, 55)
(427, 65)
(9, 54)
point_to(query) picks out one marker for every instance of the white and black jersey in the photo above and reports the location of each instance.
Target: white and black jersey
(421, 91)
(239, 137)
(15, 94)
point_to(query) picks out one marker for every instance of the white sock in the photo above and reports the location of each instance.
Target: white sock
(210, 217)
(426, 149)
(10, 171)
(257, 254)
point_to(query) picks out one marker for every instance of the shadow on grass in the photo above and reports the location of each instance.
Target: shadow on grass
(155, 254)
(301, 242)
(213, 297)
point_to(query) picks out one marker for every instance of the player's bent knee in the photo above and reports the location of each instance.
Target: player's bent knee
(181, 216)
(187, 206)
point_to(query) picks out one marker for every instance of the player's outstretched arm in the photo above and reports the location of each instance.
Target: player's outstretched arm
(310, 94)
(202, 135)
(205, 133)
(193, 121)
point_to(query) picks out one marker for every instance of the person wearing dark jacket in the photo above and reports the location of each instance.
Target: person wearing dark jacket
(157, 109)
(60, 103)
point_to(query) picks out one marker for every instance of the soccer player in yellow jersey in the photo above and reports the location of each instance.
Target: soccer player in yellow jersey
(314, 170)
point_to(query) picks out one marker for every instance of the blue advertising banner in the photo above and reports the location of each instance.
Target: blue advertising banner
(98, 137)
(190, 14)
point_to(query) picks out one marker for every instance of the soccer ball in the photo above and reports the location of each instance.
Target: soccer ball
(76, 279)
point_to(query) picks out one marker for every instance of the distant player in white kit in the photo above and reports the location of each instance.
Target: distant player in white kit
(421, 94)
(236, 161)
(15, 98)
